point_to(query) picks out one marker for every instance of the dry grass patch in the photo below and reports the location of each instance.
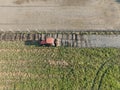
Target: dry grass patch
(60, 63)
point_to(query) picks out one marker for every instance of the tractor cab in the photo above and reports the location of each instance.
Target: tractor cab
(49, 41)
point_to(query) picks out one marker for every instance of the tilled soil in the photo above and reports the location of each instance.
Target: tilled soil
(65, 15)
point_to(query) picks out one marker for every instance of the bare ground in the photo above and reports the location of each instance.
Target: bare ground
(60, 15)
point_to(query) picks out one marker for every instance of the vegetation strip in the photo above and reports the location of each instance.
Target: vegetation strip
(58, 68)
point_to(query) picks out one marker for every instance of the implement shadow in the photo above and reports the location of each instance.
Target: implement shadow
(32, 42)
(118, 1)
(35, 43)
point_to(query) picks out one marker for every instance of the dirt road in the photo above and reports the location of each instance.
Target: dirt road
(17, 15)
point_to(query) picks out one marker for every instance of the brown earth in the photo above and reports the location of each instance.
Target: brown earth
(63, 2)
(59, 15)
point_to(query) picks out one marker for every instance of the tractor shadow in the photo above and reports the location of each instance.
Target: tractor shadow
(35, 43)
(32, 42)
(118, 1)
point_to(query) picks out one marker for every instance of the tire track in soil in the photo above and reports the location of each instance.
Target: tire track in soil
(102, 77)
(107, 62)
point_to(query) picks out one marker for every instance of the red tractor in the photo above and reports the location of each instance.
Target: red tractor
(49, 41)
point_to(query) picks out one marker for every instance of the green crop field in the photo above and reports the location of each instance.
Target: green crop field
(30, 67)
